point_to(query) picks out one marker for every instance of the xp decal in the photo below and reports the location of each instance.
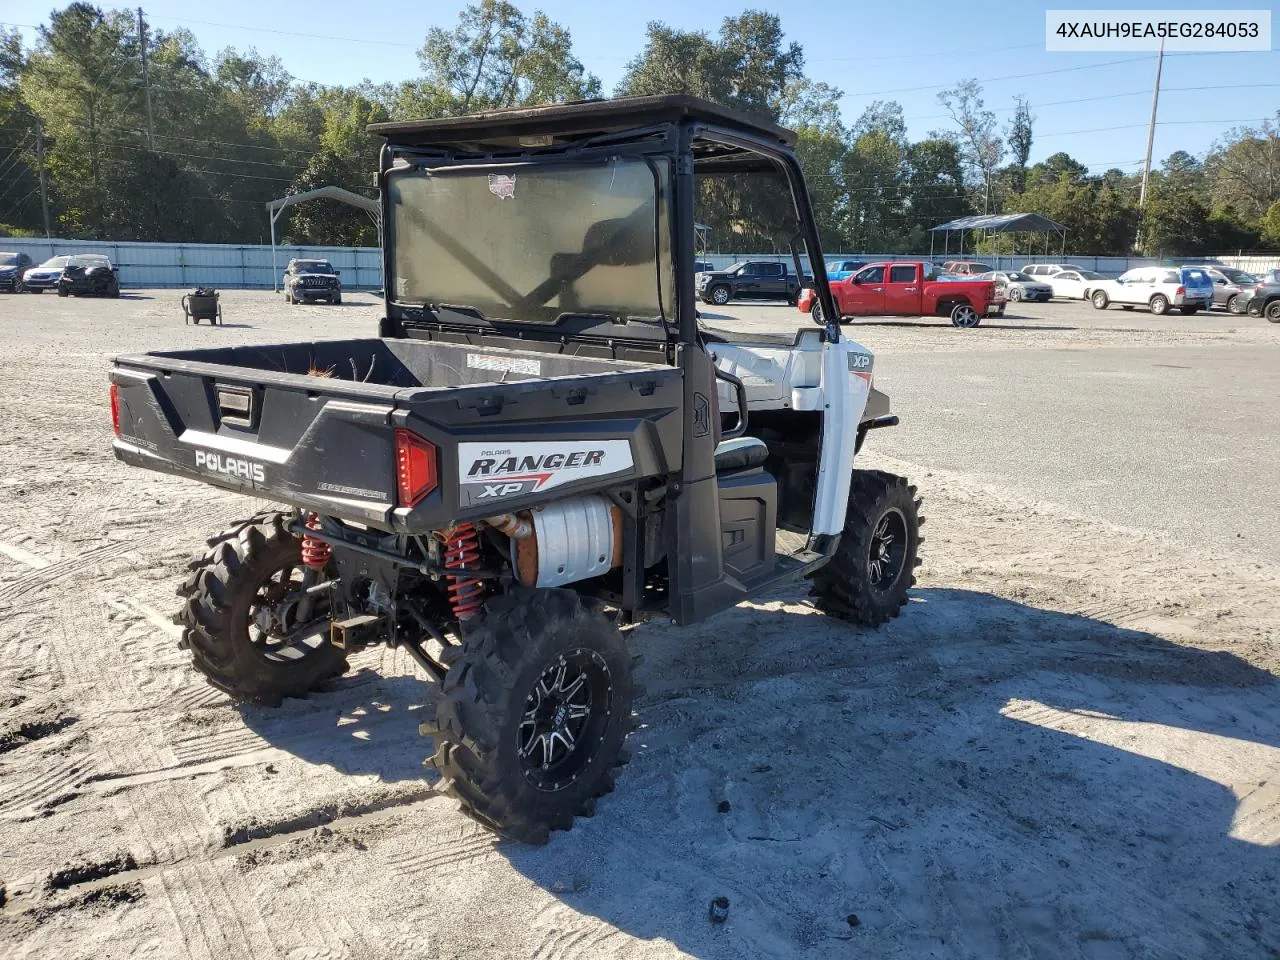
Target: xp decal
(488, 471)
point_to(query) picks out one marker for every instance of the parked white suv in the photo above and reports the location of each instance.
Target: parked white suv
(1156, 288)
(1047, 269)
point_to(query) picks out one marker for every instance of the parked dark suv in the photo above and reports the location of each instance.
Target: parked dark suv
(12, 267)
(306, 281)
(749, 280)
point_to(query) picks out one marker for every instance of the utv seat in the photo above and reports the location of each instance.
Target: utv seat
(741, 453)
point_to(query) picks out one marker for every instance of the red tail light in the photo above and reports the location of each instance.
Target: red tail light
(1180, 292)
(115, 408)
(415, 467)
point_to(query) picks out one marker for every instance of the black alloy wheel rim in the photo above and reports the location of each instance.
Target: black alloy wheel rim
(566, 714)
(887, 554)
(280, 625)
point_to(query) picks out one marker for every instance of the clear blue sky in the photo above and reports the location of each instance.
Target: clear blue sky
(904, 51)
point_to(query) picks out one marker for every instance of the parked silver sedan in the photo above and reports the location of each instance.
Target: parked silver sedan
(1016, 285)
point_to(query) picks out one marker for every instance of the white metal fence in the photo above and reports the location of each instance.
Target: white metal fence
(207, 264)
(1108, 266)
(249, 266)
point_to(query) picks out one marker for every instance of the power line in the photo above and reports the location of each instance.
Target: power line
(1012, 76)
(195, 156)
(288, 33)
(1132, 126)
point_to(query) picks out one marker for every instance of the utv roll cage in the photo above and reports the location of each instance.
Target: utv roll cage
(701, 138)
(696, 137)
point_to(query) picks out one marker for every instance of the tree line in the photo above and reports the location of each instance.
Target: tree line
(142, 135)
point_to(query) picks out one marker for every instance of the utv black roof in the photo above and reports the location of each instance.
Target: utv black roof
(557, 123)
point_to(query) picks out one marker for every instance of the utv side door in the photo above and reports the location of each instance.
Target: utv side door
(902, 289)
(864, 292)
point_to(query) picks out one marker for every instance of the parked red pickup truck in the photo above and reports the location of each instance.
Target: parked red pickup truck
(908, 288)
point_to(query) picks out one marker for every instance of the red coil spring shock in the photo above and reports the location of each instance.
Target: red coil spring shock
(461, 550)
(315, 552)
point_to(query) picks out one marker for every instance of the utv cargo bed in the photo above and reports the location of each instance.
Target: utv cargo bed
(315, 424)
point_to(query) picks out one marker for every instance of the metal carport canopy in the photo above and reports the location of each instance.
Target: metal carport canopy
(1001, 223)
(277, 207)
(1005, 223)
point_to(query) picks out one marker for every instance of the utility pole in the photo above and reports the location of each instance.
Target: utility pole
(44, 187)
(1151, 127)
(146, 80)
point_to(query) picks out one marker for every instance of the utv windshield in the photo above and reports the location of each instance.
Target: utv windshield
(534, 243)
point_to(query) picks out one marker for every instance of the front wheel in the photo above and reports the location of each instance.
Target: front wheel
(1099, 300)
(63, 291)
(867, 580)
(1272, 311)
(1015, 294)
(720, 295)
(252, 629)
(1159, 305)
(336, 298)
(533, 713)
(963, 315)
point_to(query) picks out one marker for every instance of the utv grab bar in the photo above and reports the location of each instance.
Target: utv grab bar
(741, 426)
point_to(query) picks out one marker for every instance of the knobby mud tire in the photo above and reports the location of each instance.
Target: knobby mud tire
(844, 588)
(475, 722)
(216, 600)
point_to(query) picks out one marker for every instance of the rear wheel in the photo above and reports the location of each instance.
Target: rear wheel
(867, 580)
(819, 317)
(250, 626)
(1159, 305)
(963, 315)
(1233, 304)
(1099, 300)
(533, 713)
(1272, 311)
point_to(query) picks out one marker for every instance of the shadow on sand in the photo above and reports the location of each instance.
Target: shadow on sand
(979, 778)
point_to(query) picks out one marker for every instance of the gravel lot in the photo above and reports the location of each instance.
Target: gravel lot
(1067, 746)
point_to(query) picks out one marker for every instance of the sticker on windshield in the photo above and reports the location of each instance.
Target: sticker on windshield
(502, 185)
(477, 361)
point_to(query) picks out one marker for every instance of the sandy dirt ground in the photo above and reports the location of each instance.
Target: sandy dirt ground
(1067, 746)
